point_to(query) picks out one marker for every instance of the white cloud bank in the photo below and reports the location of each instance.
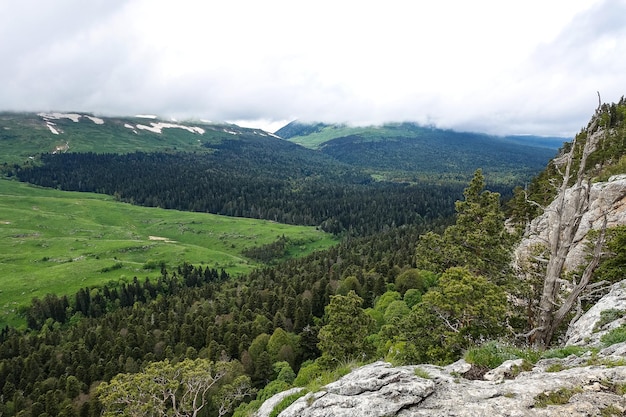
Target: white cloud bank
(486, 65)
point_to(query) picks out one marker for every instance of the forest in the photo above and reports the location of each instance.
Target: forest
(335, 200)
(421, 275)
(410, 148)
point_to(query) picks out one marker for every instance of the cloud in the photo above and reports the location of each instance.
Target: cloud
(487, 65)
(557, 85)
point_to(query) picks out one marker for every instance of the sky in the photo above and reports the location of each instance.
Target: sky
(493, 66)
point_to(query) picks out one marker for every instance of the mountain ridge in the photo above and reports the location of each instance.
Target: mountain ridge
(24, 135)
(401, 152)
(396, 149)
(297, 131)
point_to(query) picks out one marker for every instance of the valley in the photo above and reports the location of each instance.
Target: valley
(136, 252)
(58, 242)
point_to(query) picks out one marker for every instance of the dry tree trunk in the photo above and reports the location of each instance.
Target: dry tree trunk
(568, 215)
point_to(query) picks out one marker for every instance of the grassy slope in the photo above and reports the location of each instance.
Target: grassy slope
(23, 135)
(57, 242)
(315, 138)
(409, 152)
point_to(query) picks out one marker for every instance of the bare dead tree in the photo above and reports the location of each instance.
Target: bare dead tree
(568, 213)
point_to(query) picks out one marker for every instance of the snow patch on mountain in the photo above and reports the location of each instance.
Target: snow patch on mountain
(96, 120)
(158, 127)
(75, 117)
(52, 128)
(129, 126)
(55, 116)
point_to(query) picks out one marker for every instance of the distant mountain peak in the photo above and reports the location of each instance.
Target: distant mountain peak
(298, 128)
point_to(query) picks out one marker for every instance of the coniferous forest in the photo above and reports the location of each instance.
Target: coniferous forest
(421, 274)
(336, 200)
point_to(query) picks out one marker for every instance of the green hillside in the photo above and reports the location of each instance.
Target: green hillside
(25, 135)
(412, 152)
(315, 135)
(57, 242)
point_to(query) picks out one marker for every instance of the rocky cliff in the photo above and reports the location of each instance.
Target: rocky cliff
(605, 197)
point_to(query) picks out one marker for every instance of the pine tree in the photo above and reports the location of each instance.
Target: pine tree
(343, 337)
(462, 310)
(478, 240)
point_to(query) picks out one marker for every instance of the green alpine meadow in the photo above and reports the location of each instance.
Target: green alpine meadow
(57, 242)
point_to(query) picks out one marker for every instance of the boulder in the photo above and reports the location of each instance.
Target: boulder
(374, 390)
(506, 370)
(267, 407)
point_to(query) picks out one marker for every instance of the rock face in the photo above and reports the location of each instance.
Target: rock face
(592, 384)
(589, 328)
(381, 390)
(609, 197)
(269, 405)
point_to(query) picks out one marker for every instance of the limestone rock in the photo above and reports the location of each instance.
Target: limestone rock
(272, 402)
(506, 370)
(379, 389)
(518, 397)
(609, 197)
(617, 350)
(585, 330)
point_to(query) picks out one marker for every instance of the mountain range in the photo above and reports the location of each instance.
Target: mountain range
(429, 151)
(395, 152)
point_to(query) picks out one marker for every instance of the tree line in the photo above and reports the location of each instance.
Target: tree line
(337, 201)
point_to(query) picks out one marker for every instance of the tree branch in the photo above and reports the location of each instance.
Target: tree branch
(445, 320)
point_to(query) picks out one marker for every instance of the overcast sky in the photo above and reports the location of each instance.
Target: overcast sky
(503, 67)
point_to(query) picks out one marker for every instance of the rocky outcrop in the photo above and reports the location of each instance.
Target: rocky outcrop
(377, 389)
(267, 407)
(585, 391)
(605, 197)
(381, 390)
(591, 326)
